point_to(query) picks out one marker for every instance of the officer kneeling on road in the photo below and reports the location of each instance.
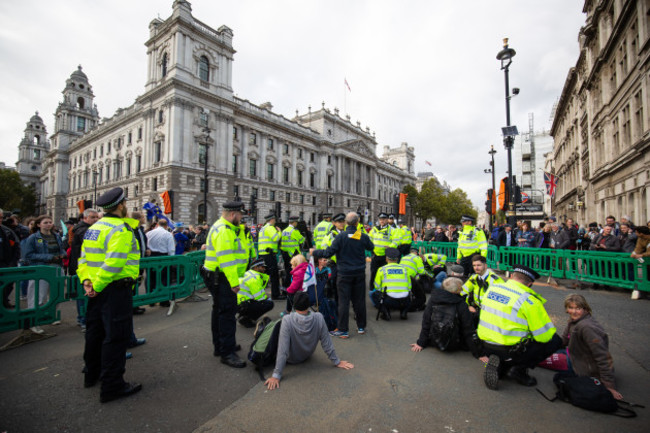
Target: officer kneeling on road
(108, 268)
(252, 301)
(392, 287)
(516, 330)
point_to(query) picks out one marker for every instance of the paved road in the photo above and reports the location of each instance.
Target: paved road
(390, 389)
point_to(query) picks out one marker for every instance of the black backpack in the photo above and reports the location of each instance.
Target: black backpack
(445, 327)
(9, 247)
(589, 393)
(264, 347)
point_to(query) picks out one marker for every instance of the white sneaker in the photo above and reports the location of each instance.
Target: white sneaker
(37, 330)
(56, 322)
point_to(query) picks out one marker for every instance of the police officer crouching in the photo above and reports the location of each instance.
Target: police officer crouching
(226, 259)
(392, 287)
(108, 268)
(252, 301)
(516, 330)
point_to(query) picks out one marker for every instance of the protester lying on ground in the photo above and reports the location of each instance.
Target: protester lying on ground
(299, 335)
(588, 344)
(447, 322)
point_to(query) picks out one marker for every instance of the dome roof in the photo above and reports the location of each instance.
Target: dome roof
(78, 74)
(36, 118)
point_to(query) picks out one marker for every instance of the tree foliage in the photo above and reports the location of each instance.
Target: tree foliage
(434, 201)
(14, 195)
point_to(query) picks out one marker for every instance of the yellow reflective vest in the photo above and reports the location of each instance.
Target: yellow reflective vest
(225, 251)
(475, 289)
(471, 241)
(252, 286)
(291, 240)
(394, 279)
(269, 237)
(510, 312)
(403, 236)
(413, 264)
(247, 241)
(327, 241)
(382, 238)
(321, 230)
(109, 252)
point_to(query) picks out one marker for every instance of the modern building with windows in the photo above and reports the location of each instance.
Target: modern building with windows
(188, 122)
(600, 129)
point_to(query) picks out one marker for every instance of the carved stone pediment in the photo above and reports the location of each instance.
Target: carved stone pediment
(300, 167)
(158, 136)
(312, 169)
(360, 148)
(271, 159)
(253, 155)
(286, 163)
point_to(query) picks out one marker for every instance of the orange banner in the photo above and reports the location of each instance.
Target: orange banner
(166, 202)
(503, 194)
(81, 204)
(402, 203)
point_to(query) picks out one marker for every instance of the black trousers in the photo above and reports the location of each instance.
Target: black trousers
(466, 263)
(332, 291)
(351, 288)
(376, 263)
(401, 304)
(404, 249)
(534, 354)
(271, 262)
(224, 308)
(419, 297)
(108, 330)
(254, 309)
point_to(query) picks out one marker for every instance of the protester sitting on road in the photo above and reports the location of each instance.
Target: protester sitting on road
(419, 278)
(252, 301)
(587, 344)
(447, 322)
(516, 330)
(392, 287)
(434, 265)
(299, 266)
(299, 335)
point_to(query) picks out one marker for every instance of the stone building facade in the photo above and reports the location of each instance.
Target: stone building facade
(600, 129)
(188, 116)
(32, 151)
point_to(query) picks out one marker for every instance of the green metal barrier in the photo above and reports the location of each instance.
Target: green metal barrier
(543, 260)
(165, 278)
(611, 269)
(24, 318)
(196, 260)
(447, 248)
(493, 257)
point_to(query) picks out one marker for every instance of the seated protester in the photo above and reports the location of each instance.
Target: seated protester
(415, 267)
(587, 344)
(447, 323)
(434, 264)
(298, 268)
(299, 335)
(323, 275)
(392, 287)
(252, 301)
(516, 331)
(476, 286)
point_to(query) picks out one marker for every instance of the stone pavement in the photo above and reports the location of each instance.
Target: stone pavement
(390, 389)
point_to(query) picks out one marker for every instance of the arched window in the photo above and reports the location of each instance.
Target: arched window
(204, 69)
(164, 65)
(80, 102)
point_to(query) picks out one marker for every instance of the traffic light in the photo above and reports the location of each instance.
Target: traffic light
(517, 194)
(504, 194)
(488, 202)
(396, 205)
(278, 211)
(253, 203)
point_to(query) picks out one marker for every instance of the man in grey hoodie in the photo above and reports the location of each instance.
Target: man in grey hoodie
(299, 335)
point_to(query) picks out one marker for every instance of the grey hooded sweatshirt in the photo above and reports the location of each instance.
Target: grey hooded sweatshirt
(299, 336)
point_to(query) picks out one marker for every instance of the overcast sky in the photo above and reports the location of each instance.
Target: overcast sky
(422, 72)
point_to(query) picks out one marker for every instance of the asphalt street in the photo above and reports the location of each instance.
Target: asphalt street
(391, 389)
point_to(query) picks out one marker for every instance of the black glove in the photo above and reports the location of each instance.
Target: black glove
(268, 250)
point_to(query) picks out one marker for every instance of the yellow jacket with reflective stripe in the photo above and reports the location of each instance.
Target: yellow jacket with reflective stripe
(471, 241)
(382, 238)
(247, 241)
(435, 259)
(291, 239)
(327, 241)
(225, 251)
(393, 278)
(109, 252)
(252, 286)
(511, 311)
(269, 237)
(403, 236)
(413, 263)
(321, 230)
(474, 290)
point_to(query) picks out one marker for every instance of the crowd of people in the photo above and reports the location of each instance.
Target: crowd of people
(501, 322)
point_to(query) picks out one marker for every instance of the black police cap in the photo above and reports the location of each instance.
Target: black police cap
(525, 270)
(294, 218)
(467, 218)
(233, 205)
(391, 216)
(111, 198)
(258, 262)
(392, 253)
(338, 217)
(327, 215)
(383, 215)
(269, 217)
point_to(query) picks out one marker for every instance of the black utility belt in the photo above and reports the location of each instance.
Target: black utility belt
(123, 283)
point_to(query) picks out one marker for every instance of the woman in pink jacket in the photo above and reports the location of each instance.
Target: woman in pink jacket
(298, 268)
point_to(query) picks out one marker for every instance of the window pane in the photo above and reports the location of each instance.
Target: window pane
(204, 69)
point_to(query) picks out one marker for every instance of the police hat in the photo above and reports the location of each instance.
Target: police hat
(111, 198)
(233, 205)
(525, 270)
(383, 215)
(467, 218)
(294, 218)
(327, 215)
(338, 217)
(392, 253)
(391, 216)
(258, 262)
(269, 217)
(414, 248)
(400, 221)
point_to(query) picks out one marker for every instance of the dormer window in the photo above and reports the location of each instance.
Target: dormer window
(204, 69)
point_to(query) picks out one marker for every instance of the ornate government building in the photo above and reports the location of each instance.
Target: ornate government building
(600, 129)
(188, 117)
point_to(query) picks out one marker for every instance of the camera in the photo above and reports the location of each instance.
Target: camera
(515, 90)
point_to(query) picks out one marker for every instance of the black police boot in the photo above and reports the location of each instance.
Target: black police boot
(233, 360)
(128, 390)
(491, 373)
(403, 314)
(520, 374)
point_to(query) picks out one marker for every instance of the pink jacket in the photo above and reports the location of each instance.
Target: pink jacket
(297, 277)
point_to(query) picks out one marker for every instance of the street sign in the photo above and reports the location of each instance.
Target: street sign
(524, 197)
(530, 208)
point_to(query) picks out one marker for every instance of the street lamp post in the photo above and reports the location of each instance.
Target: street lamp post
(505, 56)
(95, 186)
(205, 173)
(494, 194)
